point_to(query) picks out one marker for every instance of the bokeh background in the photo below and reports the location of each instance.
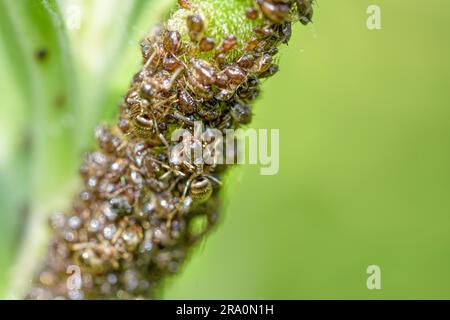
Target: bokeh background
(364, 125)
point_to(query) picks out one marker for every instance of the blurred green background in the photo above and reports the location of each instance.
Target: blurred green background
(364, 125)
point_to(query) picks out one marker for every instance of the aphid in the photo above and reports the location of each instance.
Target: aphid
(203, 71)
(305, 11)
(263, 63)
(185, 4)
(186, 102)
(104, 138)
(201, 90)
(149, 89)
(195, 26)
(235, 75)
(170, 63)
(251, 13)
(168, 81)
(118, 169)
(264, 31)
(251, 45)
(228, 43)
(241, 113)
(221, 80)
(206, 44)
(273, 69)
(146, 48)
(143, 126)
(220, 59)
(246, 61)
(249, 90)
(201, 189)
(276, 13)
(285, 32)
(172, 41)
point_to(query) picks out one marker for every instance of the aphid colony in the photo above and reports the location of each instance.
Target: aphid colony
(139, 211)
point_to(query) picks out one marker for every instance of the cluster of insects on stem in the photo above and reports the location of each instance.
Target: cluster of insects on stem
(141, 207)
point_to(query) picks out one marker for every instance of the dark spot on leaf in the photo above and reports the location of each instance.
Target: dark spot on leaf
(60, 100)
(41, 54)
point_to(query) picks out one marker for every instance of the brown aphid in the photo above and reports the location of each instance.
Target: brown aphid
(264, 31)
(220, 59)
(170, 63)
(185, 4)
(221, 80)
(207, 44)
(246, 61)
(187, 104)
(104, 138)
(276, 13)
(235, 74)
(251, 45)
(228, 43)
(149, 89)
(172, 41)
(305, 11)
(124, 125)
(203, 71)
(251, 13)
(200, 89)
(195, 25)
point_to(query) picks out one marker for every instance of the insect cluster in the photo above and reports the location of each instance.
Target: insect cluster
(140, 211)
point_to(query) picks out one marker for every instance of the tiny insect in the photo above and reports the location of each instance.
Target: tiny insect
(124, 125)
(263, 63)
(206, 44)
(246, 61)
(272, 70)
(150, 89)
(235, 75)
(305, 11)
(185, 4)
(220, 59)
(170, 63)
(172, 41)
(276, 13)
(201, 189)
(264, 31)
(228, 43)
(195, 26)
(251, 45)
(241, 113)
(285, 32)
(186, 102)
(203, 71)
(251, 13)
